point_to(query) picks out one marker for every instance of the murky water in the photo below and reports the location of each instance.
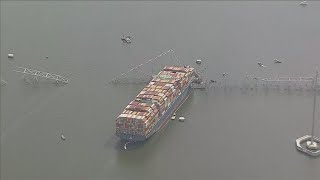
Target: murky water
(225, 136)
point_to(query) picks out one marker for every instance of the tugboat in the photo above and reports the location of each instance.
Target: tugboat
(126, 39)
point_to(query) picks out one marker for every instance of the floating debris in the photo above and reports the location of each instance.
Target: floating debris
(47, 57)
(62, 137)
(303, 3)
(126, 39)
(181, 119)
(36, 73)
(277, 61)
(3, 82)
(10, 56)
(261, 65)
(199, 85)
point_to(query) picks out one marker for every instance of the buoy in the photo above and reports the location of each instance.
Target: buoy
(181, 119)
(62, 137)
(10, 55)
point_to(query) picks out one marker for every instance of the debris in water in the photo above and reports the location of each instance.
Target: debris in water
(3, 82)
(62, 137)
(261, 65)
(126, 39)
(304, 3)
(277, 61)
(35, 73)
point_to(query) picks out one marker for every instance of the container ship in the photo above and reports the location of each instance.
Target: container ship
(153, 107)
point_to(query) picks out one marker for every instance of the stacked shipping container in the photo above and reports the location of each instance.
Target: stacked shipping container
(143, 113)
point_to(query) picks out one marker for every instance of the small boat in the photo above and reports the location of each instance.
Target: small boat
(303, 3)
(173, 117)
(10, 55)
(126, 39)
(277, 61)
(181, 119)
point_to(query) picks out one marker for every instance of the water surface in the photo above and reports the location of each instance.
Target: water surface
(237, 136)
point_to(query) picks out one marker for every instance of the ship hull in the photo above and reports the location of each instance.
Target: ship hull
(163, 120)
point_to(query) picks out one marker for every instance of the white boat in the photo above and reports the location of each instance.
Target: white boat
(181, 119)
(303, 3)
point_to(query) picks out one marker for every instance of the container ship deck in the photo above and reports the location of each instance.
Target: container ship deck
(153, 107)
